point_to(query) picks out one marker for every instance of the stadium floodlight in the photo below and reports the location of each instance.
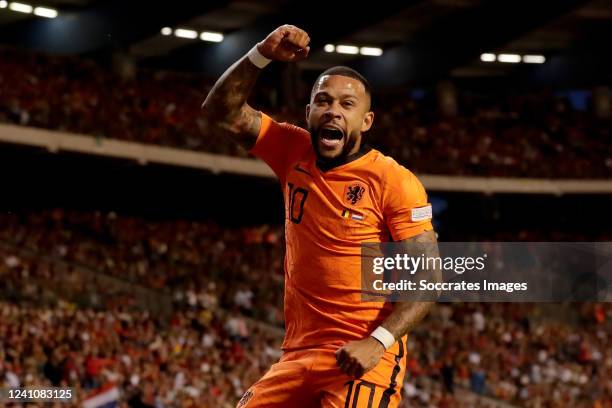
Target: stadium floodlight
(3, 3)
(347, 49)
(509, 58)
(371, 51)
(534, 59)
(21, 7)
(211, 36)
(329, 48)
(166, 31)
(488, 57)
(185, 33)
(45, 12)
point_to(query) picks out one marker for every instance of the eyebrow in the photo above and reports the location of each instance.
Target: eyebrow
(342, 96)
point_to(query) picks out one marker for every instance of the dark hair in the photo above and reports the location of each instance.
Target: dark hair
(347, 72)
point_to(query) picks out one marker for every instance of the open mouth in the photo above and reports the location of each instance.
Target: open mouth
(331, 136)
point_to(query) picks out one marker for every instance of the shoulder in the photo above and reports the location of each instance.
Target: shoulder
(281, 137)
(280, 144)
(271, 126)
(389, 172)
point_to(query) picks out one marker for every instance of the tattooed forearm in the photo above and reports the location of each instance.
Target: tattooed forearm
(406, 315)
(226, 110)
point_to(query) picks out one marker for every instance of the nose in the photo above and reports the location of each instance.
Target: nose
(333, 112)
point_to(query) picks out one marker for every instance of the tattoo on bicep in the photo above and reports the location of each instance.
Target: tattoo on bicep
(251, 119)
(425, 243)
(250, 123)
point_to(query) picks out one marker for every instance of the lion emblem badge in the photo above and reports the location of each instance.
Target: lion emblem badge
(353, 193)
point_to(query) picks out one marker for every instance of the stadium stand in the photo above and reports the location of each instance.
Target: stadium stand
(156, 281)
(519, 353)
(516, 135)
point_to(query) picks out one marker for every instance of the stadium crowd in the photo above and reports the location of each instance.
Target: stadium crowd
(189, 261)
(536, 135)
(210, 350)
(198, 360)
(513, 353)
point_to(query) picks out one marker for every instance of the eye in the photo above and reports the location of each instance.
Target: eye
(348, 104)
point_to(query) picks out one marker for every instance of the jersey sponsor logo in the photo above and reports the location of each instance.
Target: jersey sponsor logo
(353, 193)
(245, 399)
(421, 213)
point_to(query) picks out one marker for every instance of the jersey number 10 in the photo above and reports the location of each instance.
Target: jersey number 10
(298, 195)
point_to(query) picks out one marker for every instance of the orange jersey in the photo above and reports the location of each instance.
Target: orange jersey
(328, 214)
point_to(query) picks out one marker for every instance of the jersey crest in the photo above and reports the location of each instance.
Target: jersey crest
(353, 193)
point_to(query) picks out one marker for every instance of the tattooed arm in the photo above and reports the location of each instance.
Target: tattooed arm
(225, 109)
(406, 315)
(358, 357)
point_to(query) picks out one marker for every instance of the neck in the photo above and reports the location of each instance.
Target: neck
(356, 153)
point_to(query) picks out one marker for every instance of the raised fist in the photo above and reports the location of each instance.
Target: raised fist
(287, 43)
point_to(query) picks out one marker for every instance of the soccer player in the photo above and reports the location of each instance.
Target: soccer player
(338, 350)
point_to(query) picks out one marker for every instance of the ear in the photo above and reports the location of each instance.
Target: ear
(307, 112)
(368, 120)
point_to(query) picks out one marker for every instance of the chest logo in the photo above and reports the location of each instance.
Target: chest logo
(353, 193)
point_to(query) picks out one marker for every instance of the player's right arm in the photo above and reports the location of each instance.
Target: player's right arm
(225, 109)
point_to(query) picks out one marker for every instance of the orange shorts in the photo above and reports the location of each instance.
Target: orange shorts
(310, 378)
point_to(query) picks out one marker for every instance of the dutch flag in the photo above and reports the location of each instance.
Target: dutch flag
(106, 396)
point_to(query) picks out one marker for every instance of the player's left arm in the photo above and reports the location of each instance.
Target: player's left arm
(356, 358)
(406, 315)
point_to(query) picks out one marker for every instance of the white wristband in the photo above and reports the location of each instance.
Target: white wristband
(257, 59)
(384, 336)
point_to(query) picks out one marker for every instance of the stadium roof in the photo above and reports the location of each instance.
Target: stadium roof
(420, 39)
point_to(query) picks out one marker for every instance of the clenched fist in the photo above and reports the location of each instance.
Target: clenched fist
(287, 43)
(356, 358)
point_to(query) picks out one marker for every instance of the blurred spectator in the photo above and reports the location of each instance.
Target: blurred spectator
(209, 352)
(528, 135)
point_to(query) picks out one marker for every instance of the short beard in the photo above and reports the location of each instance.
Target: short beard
(348, 146)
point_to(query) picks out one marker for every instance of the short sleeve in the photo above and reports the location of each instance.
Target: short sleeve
(407, 212)
(280, 144)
